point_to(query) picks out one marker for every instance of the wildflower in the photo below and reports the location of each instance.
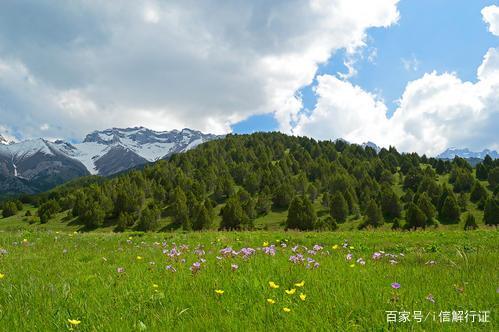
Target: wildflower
(431, 263)
(234, 267)
(65, 251)
(335, 247)
(219, 292)
(265, 244)
(2, 275)
(376, 256)
(120, 270)
(303, 296)
(290, 291)
(352, 247)
(273, 285)
(286, 309)
(74, 322)
(316, 265)
(195, 267)
(352, 265)
(317, 247)
(430, 298)
(155, 286)
(393, 262)
(171, 268)
(139, 258)
(300, 284)
(269, 250)
(270, 301)
(298, 258)
(3, 251)
(361, 261)
(130, 238)
(395, 285)
(349, 257)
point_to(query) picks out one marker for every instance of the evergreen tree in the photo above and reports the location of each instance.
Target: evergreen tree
(301, 214)
(149, 217)
(9, 209)
(493, 177)
(283, 196)
(478, 192)
(470, 223)
(390, 204)
(233, 216)
(180, 210)
(203, 219)
(416, 218)
(338, 207)
(491, 212)
(125, 220)
(374, 216)
(450, 212)
(481, 172)
(425, 205)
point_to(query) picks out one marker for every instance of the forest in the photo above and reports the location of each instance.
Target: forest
(229, 183)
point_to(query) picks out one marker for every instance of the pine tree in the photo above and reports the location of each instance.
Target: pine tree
(493, 177)
(309, 217)
(374, 217)
(481, 172)
(450, 212)
(470, 223)
(294, 213)
(390, 203)
(233, 216)
(338, 207)
(478, 192)
(9, 209)
(425, 205)
(415, 217)
(202, 219)
(491, 212)
(180, 210)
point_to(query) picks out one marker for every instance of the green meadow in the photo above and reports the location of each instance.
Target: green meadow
(58, 280)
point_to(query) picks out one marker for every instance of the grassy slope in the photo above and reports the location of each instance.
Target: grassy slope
(43, 286)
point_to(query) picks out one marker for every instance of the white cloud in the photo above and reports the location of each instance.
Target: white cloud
(85, 65)
(411, 64)
(490, 15)
(435, 112)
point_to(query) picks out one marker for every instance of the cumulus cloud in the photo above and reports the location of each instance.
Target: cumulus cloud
(490, 15)
(83, 65)
(434, 112)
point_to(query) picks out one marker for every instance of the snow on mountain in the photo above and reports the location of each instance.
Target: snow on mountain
(450, 153)
(134, 145)
(3, 140)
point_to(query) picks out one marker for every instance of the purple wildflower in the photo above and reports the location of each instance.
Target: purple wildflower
(269, 250)
(195, 267)
(171, 268)
(317, 247)
(395, 285)
(361, 261)
(120, 270)
(376, 256)
(234, 267)
(430, 298)
(349, 257)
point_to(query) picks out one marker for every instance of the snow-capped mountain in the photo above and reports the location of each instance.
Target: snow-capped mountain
(3, 140)
(44, 164)
(371, 145)
(450, 153)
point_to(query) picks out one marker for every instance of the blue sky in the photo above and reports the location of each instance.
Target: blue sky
(431, 35)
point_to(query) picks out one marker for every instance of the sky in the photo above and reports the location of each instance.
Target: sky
(418, 75)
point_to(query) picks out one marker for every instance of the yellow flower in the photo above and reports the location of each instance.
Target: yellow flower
(25, 240)
(300, 284)
(74, 321)
(352, 247)
(75, 232)
(2, 275)
(219, 292)
(335, 247)
(286, 309)
(130, 238)
(291, 291)
(270, 301)
(273, 285)
(265, 244)
(139, 257)
(155, 286)
(303, 296)
(352, 265)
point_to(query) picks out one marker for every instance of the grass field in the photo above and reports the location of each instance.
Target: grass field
(120, 282)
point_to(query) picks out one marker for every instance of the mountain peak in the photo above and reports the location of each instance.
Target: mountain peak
(3, 140)
(452, 152)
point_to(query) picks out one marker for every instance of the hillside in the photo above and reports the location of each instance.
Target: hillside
(271, 180)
